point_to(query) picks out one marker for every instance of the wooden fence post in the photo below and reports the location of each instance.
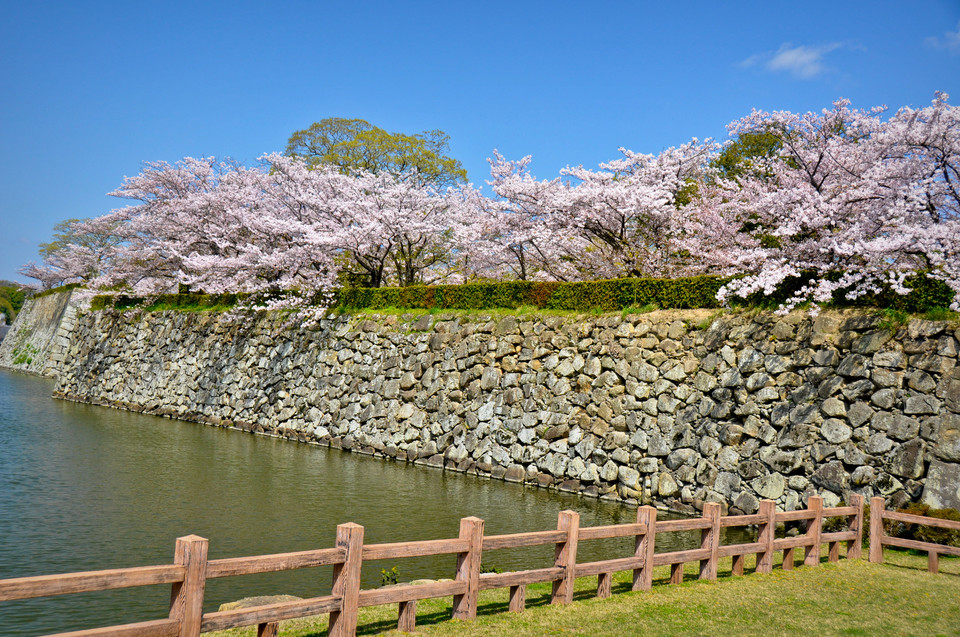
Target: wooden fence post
(645, 546)
(811, 552)
(566, 557)
(877, 506)
(518, 598)
(468, 568)
(765, 534)
(186, 597)
(855, 546)
(270, 629)
(407, 619)
(710, 539)
(346, 581)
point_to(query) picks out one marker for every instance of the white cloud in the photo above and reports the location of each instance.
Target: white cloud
(949, 41)
(802, 61)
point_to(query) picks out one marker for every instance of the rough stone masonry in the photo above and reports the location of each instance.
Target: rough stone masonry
(674, 408)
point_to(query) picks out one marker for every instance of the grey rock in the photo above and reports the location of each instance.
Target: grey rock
(921, 405)
(948, 445)
(769, 487)
(859, 413)
(832, 476)
(835, 431)
(834, 408)
(906, 461)
(942, 487)
(854, 366)
(667, 486)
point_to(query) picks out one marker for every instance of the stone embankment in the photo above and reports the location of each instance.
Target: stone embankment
(669, 407)
(40, 335)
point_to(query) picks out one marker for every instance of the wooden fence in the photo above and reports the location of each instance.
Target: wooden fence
(191, 568)
(878, 537)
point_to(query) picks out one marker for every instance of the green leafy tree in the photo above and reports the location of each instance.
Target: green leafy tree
(356, 145)
(748, 154)
(12, 297)
(73, 232)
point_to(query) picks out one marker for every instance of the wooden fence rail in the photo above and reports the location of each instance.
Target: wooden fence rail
(879, 538)
(191, 568)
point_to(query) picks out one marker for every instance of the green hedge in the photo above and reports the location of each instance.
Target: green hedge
(187, 301)
(605, 296)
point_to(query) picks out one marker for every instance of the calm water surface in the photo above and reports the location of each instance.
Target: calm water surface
(88, 488)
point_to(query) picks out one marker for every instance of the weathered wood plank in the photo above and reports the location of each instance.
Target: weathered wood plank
(741, 520)
(676, 573)
(520, 578)
(736, 566)
(645, 546)
(271, 629)
(836, 512)
(811, 552)
(186, 597)
(269, 613)
(157, 628)
(604, 585)
(398, 550)
(855, 546)
(609, 566)
(410, 592)
(838, 536)
(933, 562)
(877, 506)
(691, 524)
(710, 541)
(566, 557)
(407, 616)
(613, 530)
(468, 568)
(518, 598)
(788, 559)
(231, 566)
(921, 546)
(833, 552)
(765, 536)
(48, 585)
(736, 550)
(791, 542)
(794, 516)
(516, 540)
(346, 581)
(678, 557)
(921, 519)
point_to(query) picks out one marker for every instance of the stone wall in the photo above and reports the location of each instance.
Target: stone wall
(40, 335)
(670, 407)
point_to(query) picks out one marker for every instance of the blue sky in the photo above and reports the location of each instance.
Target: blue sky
(90, 90)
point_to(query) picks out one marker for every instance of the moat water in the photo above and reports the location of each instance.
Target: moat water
(89, 488)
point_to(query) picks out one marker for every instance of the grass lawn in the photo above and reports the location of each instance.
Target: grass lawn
(847, 598)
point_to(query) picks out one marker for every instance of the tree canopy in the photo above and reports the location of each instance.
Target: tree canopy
(355, 145)
(843, 201)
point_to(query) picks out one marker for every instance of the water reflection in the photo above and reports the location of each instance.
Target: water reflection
(84, 488)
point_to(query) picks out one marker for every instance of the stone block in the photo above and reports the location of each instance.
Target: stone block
(942, 487)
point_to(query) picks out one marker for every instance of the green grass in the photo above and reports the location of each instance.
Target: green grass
(941, 314)
(847, 598)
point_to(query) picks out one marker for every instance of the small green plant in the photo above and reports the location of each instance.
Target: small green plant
(892, 319)
(643, 309)
(490, 569)
(388, 577)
